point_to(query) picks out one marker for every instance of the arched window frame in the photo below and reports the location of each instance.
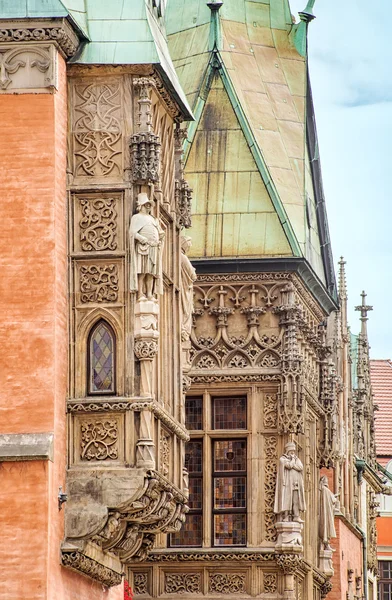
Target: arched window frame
(90, 391)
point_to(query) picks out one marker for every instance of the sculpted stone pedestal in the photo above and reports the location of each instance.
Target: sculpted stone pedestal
(289, 537)
(146, 341)
(325, 563)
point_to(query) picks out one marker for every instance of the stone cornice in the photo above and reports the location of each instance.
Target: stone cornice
(57, 30)
(79, 562)
(26, 446)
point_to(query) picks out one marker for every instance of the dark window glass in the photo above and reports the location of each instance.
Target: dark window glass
(229, 413)
(230, 530)
(194, 413)
(101, 367)
(230, 455)
(191, 532)
(229, 485)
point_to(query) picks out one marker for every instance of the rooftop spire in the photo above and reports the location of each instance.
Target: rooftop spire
(299, 33)
(364, 309)
(342, 279)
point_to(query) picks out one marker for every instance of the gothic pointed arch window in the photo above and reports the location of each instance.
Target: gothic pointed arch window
(101, 363)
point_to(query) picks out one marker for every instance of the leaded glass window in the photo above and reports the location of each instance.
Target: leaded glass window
(101, 360)
(229, 413)
(191, 533)
(229, 485)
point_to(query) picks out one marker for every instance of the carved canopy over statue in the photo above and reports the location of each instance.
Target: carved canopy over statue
(289, 493)
(188, 276)
(328, 501)
(146, 243)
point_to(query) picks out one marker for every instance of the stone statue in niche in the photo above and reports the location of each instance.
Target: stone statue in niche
(188, 276)
(328, 501)
(290, 493)
(146, 244)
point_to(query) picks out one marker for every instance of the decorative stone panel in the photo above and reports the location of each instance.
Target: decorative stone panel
(98, 222)
(97, 130)
(227, 583)
(99, 282)
(183, 583)
(99, 438)
(28, 68)
(140, 583)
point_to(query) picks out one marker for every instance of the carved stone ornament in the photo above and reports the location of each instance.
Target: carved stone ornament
(98, 225)
(227, 583)
(86, 565)
(140, 583)
(271, 456)
(146, 349)
(241, 557)
(289, 563)
(183, 583)
(99, 439)
(99, 283)
(183, 199)
(129, 529)
(164, 452)
(325, 589)
(145, 150)
(27, 67)
(57, 30)
(97, 130)
(270, 583)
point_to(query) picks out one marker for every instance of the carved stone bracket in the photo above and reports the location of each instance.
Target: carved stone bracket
(325, 589)
(130, 530)
(77, 561)
(127, 530)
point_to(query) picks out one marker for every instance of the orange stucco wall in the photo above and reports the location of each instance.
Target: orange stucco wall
(348, 554)
(384, 531)
(33, 334)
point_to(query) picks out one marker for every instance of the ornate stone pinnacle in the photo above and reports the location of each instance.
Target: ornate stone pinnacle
(364, 308)
(342, 279)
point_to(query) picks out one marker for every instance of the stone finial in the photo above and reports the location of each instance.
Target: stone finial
(342, 279)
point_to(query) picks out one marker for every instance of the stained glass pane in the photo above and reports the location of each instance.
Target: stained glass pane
(230, 530)
(190, 533)
(101, 360)
(229, 413)
(195, 493)
(230, 492)
(230, 455)
(194, 413)
(194, 456)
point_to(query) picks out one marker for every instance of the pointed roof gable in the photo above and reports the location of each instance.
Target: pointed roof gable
(250, 44)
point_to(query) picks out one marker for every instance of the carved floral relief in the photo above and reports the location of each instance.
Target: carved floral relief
(99, 283)
(98, 224)
(99, 439)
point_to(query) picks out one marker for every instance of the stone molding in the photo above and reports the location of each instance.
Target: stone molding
(79, 562)
(57, 30)
(125, 404)
(211, 556)
(26, 446)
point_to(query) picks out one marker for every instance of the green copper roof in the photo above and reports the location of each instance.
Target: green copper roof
(251, 45)
(116, 32)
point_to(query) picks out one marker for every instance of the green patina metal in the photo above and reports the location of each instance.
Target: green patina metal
(116, 32)
(258, 157)
(299, 32)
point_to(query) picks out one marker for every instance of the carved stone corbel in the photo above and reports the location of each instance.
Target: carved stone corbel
(289, 564)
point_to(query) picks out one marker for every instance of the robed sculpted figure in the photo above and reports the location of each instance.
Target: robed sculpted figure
(328, 501)
(146, 241)
(188, 276)
(289, 493)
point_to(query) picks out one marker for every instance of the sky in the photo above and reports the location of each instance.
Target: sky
(349, 53)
